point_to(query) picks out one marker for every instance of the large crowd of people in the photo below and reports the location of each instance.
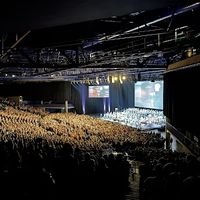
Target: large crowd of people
(46, 153)
(170, 175)
(143, 119)
(68, 155)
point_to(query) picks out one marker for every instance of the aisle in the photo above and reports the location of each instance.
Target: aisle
(134, 180)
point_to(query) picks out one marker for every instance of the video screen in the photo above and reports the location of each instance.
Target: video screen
(100, 91)
(149, 94)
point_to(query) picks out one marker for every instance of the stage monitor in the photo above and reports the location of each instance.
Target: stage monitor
(149, 94)
(99, 91)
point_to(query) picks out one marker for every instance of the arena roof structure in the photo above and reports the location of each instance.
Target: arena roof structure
(80, 40)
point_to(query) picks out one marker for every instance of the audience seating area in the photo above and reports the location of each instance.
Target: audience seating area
(68, 155)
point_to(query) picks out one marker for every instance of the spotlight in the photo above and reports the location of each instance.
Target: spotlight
(123, 77)
(108, 79)
(120, 79)
(115, 78)
(97, 80)
(189, 52)
(88, 81)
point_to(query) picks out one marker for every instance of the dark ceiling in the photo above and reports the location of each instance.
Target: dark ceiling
(80, 39)
(22, 15)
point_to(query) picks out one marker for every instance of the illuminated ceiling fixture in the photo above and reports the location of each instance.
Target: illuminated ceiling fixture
(97, 80)
(108, 79)
(88, 81)
(113, 79)
(120, 79)
(189, 52)
(123, 77)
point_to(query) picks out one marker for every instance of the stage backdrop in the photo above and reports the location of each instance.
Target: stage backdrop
(121, 96)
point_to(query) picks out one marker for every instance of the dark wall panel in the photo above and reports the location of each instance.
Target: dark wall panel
(182, 99)
(56, 91)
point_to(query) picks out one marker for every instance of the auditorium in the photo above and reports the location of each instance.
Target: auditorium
(99, 100)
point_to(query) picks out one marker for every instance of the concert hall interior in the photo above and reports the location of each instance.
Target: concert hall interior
(100, 99)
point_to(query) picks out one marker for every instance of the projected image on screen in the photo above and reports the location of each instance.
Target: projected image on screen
(100, 91)
(149, 94)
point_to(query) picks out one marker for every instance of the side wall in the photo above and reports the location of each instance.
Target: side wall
(54, 91)
(182, 101)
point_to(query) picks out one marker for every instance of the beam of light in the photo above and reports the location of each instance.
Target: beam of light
(120, 79)
(108, 79)
(83, 97)
(108, 104)
(97, 80)
(104, 105)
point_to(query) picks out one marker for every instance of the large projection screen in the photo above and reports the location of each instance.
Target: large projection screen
(100, 91)
(149, 94)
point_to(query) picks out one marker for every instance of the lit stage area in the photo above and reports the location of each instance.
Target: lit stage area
(142, 119)
(106, 97)
(136, 104)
